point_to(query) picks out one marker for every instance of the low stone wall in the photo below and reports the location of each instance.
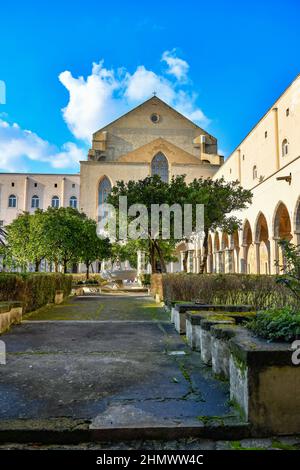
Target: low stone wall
(206, 337)
(265, 383)
(10, 312)
(178, 315)
(220, 350)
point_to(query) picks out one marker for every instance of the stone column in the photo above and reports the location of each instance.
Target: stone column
(274, 256)
(228, 261)
(257, 257)
(243, 260)
(181, 260)
(217, 262)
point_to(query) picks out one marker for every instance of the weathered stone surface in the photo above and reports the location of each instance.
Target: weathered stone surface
(262, 378)
(106, 359)
(220, 351)
(10, 312)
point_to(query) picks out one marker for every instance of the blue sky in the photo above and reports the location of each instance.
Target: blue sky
(221, 63)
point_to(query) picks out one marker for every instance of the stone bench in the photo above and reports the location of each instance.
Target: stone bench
(10, 312)
(178, 314)
(265, 383)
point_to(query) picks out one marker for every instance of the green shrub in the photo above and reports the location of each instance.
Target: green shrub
(276, 324)
(259, 291)
(33, 289)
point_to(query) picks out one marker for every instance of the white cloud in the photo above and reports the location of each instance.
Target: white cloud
(94, 101)
(176, 66)
(19, 147)
(106, 94)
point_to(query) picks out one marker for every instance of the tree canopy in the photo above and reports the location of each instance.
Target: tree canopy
(59, 235)
(219, 198)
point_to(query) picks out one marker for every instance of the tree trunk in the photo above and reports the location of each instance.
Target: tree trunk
(37, 265)
(87, 269)
(152, 256)
(56, 266)
(65, 262)
(203, 267)
(185, 259)
(161, 257)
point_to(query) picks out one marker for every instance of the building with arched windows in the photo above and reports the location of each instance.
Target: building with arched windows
(154, 139)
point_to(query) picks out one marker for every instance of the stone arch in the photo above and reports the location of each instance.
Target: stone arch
(262, 243)
(282, 230)
(216, 242)
(282, 227)
(225, 241)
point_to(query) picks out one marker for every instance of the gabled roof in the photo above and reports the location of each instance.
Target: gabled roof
(145, 153)
(157, 100)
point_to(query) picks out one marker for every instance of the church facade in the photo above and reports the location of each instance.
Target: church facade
(153, 138)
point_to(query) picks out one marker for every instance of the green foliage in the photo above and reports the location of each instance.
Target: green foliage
(92, 247)
(281, 324)
(33, 289)
(220, 198)
(291, 268)
(259, 291)
(60, 235)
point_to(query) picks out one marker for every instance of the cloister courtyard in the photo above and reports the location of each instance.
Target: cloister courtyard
(104, 363)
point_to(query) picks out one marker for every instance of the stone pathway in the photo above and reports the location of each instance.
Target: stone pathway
(111, 361)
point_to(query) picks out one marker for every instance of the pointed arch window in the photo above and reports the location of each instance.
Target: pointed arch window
(160, 167)
(104, 190)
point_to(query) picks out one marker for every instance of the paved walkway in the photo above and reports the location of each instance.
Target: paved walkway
(110, 360)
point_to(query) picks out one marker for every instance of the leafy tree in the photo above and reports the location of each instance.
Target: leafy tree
(63, 235)
(151, 190)
(24, 243)
(219, 198)
(92, 247)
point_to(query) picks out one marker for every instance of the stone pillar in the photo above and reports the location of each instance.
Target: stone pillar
(274, 256)
(217, 262)
(181, 260)
(228, 268)
(257, 257)
(243, 260)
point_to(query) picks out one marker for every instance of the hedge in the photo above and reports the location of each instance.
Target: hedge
(259, 291)
(33, 289)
